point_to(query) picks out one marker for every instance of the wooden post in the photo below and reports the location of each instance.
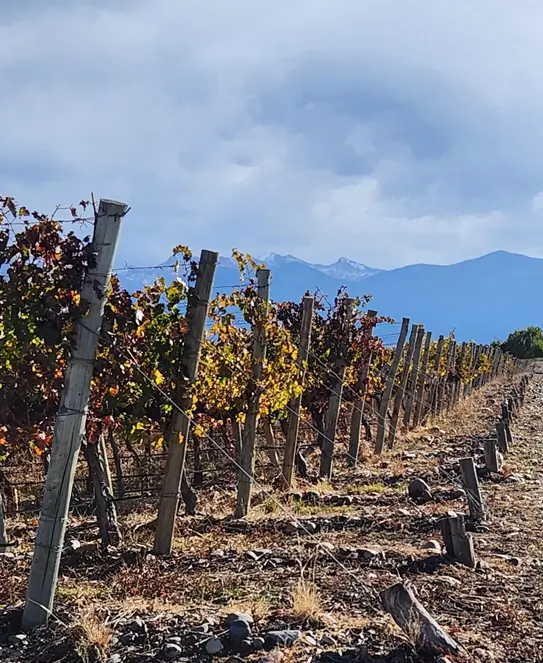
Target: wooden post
(358, 406)
(421, 628)
(400, 392)
(177, 433)
(503, 444)
(447, 389)
(411, 396)
(458, 543)
(3, 534)
(271, 444)
(492, 460)
(334, 404)
(71, 419)
(431, 405)
(422, 381)
(110, 533)
(391, 377)
(245, 477)
(472, 488)
(119, 482)
(291, 446)
(459, 387)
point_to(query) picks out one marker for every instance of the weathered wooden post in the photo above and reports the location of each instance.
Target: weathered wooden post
(502, 441)
(421, 390)
(177, 434)
(3, 534)
(308, 304)
(416, 622)
(492, 460)
(431, 405)
(414, 378)
(358, 406)
(247, 460)
(391, 377)
(400, 391)
(71, 419)
(472, 488)
(458, 542)
(334, 402)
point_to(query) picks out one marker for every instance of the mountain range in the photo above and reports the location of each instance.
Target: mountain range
(482, 299)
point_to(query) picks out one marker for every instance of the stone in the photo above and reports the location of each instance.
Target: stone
(214, 646)
(449, 580)
(237, 616)
(310, 640)
(19, 639)
(258, 644)
(291, 528)
(432, 546)
(137, 625)
(239, 630)
(328, 641)
(169, 652)
(308, 527)
(246, 648)
(284, 638)
(419, 491)
(203, 628)
(369, 553)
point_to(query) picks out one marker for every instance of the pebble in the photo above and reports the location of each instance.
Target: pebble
(291, 528)
(19, 639)
(214, 646)
(432, 546)
(328, 641)
(285, 638)
(169, 652)
(369, 553)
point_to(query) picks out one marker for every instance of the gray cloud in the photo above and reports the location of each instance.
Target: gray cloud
(390, 132)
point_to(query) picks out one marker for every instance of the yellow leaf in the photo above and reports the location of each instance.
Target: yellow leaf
(159, 378)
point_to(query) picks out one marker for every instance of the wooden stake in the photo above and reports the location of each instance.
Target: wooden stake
(177, 434)
(247, 463)
(291, 446)
(431, 406)
(472, 488)
(422, 381)
(492, 461)
(400, 392)
(502, 441)
(3, 534)
(334, 404)
(458, 543)
(391, 377)
(416, 622)
(71, 419)
(414, 379)
(358, 406)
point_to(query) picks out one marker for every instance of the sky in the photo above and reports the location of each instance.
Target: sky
(390, 132)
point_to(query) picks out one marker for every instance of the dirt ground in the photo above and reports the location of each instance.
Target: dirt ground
(321, 582)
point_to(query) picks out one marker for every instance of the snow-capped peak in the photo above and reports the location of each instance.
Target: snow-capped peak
(348, 270)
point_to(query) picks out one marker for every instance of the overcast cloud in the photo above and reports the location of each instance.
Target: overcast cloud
(390, 131)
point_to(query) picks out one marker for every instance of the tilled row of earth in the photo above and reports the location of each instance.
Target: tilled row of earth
(351, 556)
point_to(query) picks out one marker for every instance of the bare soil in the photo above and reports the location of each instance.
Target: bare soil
(355, 537)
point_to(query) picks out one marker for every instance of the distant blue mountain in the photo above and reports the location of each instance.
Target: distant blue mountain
(481, 299)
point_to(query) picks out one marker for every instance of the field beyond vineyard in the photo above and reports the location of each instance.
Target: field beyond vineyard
(133, 607)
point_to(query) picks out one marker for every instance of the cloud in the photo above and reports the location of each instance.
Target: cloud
(390, 132)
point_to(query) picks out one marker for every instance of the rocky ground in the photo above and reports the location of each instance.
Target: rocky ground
(300, 580)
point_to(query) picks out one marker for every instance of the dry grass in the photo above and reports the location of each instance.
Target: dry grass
(93, 636)
(306, 601)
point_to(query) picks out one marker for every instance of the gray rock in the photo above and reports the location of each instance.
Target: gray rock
(258, 644)
(284, 638)
(19, 639)
(369, 553)
(114, 658)
(246, 648)
(328, 641)
(309, 527)
(214, 646)
(169, 652)
(239, 616)
(239, 630)
(291, 527)
(419, 490)
(432, 546)
(203, 628)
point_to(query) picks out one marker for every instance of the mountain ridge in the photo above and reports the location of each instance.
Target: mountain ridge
(470, 296)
